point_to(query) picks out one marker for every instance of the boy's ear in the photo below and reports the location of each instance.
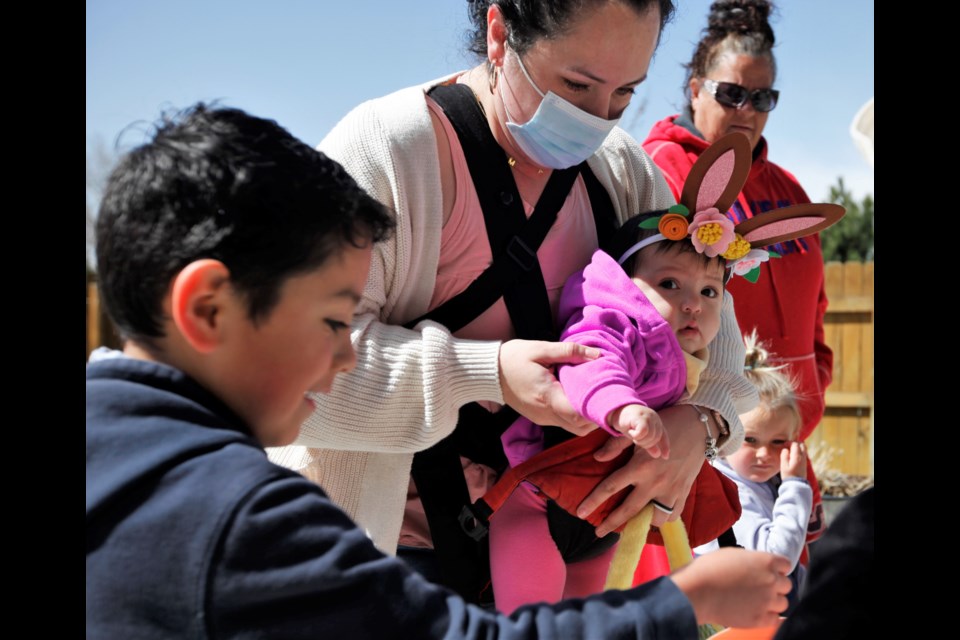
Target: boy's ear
(197, 298)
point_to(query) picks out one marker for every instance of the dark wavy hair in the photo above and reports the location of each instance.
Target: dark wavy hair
(733, 26)
(215, 182)
(530, 20)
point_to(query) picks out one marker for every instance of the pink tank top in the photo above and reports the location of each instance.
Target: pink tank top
(464, 255)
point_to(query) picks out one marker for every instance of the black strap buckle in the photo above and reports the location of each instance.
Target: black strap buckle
(473, 523)
(521, 253)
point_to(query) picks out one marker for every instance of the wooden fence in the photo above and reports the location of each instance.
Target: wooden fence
(847, 426)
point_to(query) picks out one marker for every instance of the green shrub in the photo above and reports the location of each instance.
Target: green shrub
(851, 239)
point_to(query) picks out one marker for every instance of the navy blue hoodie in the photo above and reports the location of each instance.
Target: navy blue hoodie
(193, 533)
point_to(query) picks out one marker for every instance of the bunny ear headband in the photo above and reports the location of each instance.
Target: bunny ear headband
(714, 181)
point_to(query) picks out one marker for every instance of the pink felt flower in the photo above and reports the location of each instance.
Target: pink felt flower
(711, 232)
(750, 261)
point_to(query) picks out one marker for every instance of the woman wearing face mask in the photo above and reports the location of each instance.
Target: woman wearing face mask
(535, 125)
(730, 86)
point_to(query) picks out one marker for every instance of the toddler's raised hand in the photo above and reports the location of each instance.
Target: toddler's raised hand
(793, 461)
(642, 425)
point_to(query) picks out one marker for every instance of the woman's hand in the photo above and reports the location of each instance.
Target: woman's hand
(529, 385)
(668, 481)
(736, 587)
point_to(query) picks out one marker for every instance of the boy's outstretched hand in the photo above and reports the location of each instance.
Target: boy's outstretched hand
(736, 587)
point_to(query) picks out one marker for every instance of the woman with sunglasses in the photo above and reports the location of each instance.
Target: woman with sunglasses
(730, 88)
(552, 80)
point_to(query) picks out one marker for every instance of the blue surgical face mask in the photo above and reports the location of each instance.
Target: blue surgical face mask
(560, 134)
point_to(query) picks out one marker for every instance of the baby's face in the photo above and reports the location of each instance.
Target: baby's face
(687, 292)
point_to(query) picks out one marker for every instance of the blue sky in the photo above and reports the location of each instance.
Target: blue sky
(305, 63)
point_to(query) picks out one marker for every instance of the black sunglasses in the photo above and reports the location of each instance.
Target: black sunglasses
(733, 95)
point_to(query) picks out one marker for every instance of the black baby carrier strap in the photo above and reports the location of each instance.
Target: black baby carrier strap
(514, 275)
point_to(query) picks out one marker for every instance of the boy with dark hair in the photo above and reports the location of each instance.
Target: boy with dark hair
(231, 256)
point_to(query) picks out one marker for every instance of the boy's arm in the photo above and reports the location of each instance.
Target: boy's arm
(784, 533)
(291, 564)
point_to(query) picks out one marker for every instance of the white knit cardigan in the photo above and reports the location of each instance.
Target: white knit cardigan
(408, 386)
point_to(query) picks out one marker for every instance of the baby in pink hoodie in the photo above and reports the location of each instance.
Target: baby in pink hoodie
(651, 311)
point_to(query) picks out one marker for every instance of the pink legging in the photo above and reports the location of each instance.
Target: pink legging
(525, 564)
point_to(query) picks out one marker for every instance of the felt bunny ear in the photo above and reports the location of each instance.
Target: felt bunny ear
(789, 223)
(714, 182)
(718, 175)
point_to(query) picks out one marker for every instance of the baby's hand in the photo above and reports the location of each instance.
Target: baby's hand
(793, 461)
(642, 425)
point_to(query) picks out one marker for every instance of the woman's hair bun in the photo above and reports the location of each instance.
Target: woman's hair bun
(740, 16)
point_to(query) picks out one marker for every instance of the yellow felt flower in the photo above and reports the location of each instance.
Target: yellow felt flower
(737, 249)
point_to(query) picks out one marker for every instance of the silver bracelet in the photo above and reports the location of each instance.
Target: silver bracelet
(711, 451)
